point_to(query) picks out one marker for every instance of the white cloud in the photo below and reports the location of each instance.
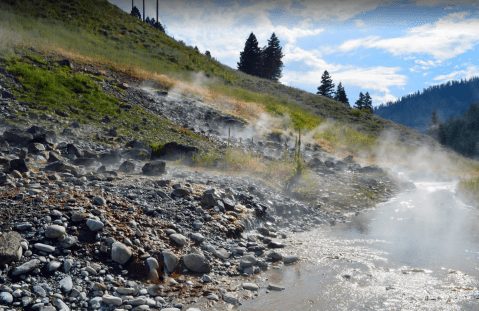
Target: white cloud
(359, 23)
(378, 79)
(469, 72)
(448, 37)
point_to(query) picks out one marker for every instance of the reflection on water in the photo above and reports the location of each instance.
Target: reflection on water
(420, 251)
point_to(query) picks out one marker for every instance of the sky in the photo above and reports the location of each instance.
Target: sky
(389, 49)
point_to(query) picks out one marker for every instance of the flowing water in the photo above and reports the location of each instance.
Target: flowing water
(419, 251)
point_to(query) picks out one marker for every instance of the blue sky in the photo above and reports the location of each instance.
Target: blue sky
(388, 49)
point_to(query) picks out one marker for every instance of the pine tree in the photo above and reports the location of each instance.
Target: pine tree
(340, 94)
(368, 103)
(327, 86)
(135, 12)
(250, 58)
(159, 26)
(147, 20)
(208, 54)
(271, 64)
(433, 126)
(360, 102)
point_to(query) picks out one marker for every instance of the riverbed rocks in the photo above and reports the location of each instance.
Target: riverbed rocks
(86, 225)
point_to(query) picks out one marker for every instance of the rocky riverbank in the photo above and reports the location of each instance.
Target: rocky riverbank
(87, 224)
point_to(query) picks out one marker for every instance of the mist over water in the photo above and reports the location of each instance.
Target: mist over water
(418, 251)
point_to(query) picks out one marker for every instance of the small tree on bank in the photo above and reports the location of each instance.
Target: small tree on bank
(359, 104)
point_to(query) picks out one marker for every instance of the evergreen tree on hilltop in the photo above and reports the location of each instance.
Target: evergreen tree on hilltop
(250, 58)
(368, 103)
(360, 102)
(159, 26)
(135, 12)
(271, 64)
(436, 129)
(208, 54)
(327, 86)
(340, 94)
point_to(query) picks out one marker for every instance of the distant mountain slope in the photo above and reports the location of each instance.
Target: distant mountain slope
(449, 99)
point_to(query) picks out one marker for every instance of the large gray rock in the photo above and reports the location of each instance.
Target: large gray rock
(127, 167)
(120, 253)
(181, 192)
(10, 247)
(179, 239)
(75, 150)
(17, 136)
(44, 247)
(173, 151)
(19, 165)
(154, 168)
(290, 259)
(59, 166)
(210, 198)
(55, 231)
(94, 224)
(66, 284)
(250, 286)
(221, 253)
(170, 259)
(196, 263)
(69, 241)
(60, 305)
(248, 261)
(109, 299)
(6, 298)
(26, 267)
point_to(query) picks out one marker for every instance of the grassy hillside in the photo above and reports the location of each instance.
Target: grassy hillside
(107, 44)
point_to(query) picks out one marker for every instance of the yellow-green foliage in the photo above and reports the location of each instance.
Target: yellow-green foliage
(300, 118)
(355, 112)
(345, 136)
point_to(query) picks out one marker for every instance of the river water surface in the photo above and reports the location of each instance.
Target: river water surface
(419, 251)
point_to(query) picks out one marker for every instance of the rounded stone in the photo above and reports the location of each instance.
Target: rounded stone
(247, 261)
(6, 298)
(94, 224)
(196, 263)
(290, 259)
(178, 239)
(120, 253)
(55, 231)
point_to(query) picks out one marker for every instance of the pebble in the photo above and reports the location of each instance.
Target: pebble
(120, 253)
(26, 267)
(44, 248)
(290, 259)
(6, 298)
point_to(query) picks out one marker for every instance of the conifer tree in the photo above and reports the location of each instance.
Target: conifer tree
(159, 26)
(368, 103)
(250, 58)
(340, 94)
(208, 54)
(135, 12)
(271, 64)
(327, 86)
(360, 102)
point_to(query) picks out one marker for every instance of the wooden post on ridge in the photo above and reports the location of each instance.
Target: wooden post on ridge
(157, 12)
(143, 10)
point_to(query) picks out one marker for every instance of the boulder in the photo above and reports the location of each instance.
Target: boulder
(110, 157)
(170, 260)
(181, 192)
(19, 165)
(17, 136)
(196, 263)
(59, 166)
(127, 167)
(154, 168)
(10, 247)
(75, 150)
(53, 157)
(140, 154)
(120, 253)
(26, 267)
(210, 198)
(173, 151)
(179, 239)
(55, 231)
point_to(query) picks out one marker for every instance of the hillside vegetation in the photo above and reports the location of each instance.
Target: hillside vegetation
(106, 44)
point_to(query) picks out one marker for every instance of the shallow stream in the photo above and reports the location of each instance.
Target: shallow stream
(419, 251)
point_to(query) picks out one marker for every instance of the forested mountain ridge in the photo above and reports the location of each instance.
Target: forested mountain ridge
(450, 99)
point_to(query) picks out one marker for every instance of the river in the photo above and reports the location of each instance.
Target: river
(420, 251)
